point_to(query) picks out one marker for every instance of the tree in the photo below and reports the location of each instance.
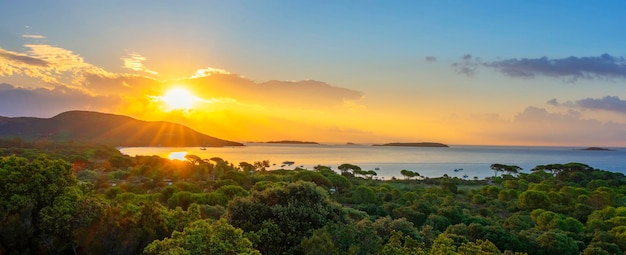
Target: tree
(509, 169)
(408, 174)
(557, 243)
(280, 217)
(346, 168)
(261, 165)
(319, 243)
(533, 199)
(443, 245)
(194, 160)
(202, 237)
(31, 192)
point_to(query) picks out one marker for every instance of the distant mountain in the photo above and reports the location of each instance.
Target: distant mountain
(110, 129)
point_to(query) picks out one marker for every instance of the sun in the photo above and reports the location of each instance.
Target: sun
(178, 98)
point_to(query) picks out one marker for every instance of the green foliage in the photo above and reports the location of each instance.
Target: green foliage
(319, 243)
(232, 191)
(557, 243)
(557, 209)
(532, 199)
(202, 237)
(311, 176)
(32, 195)
(288, 214)
(365, 195)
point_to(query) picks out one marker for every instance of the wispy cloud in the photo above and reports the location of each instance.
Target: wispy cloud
(34, 36)
(535, 125)
(22, 59)
(296, 94)
(607, 103)
(208, 72)
(571, 68)
(467, 65)
(43, 102)
(134, 61)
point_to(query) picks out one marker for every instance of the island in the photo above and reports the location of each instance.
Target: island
(595, 149)
(292, 142)
(422, 144)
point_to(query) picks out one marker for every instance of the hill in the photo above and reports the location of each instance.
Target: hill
(109, 129)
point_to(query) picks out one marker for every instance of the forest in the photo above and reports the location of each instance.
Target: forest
(71, 198)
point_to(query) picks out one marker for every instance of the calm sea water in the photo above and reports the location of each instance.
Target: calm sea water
(389, 161)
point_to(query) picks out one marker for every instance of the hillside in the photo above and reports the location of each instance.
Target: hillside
(109, 129)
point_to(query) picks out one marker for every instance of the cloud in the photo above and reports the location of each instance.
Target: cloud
(125, 84)
(134, 61)
(208, 71)
(571, 68)
(537, 125)
(296, 94)
(431, 59)
(42, 102)
(467, 65)
(55, 67)
(48, 63)
(34, 36)
(607, 103)
(21, 59)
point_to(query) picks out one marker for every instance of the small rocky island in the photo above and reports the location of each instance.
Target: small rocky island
(595, 149)
(423, 144)
(292, 142)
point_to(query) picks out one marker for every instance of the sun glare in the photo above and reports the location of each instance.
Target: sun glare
(178, 99)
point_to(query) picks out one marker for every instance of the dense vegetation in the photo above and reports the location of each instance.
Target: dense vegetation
(67, 198)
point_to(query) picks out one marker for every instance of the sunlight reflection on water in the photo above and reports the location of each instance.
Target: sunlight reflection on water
(179, 155)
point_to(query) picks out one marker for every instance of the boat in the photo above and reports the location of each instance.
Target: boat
(203, 148)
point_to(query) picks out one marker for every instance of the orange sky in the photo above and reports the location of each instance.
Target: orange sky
(402, 73)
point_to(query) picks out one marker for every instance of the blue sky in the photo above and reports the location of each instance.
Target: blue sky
(467, 72)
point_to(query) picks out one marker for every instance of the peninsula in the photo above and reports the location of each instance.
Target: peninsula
(292, 142)
(422, 144)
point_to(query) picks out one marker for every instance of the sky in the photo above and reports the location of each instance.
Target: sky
(541, 73)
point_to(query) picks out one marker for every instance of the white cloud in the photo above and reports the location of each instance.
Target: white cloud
(134, 61)
(34, 36)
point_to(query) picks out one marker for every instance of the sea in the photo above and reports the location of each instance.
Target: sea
(462, 161)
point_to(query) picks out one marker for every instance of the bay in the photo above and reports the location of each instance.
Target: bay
(388, 161)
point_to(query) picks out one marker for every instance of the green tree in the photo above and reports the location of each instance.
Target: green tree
(557, 243)
(532, 199)
(202, 237)
(443, 245)
(319, 243)
(509, 169)
(32, 192)
(282, 216)
(346, 168)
